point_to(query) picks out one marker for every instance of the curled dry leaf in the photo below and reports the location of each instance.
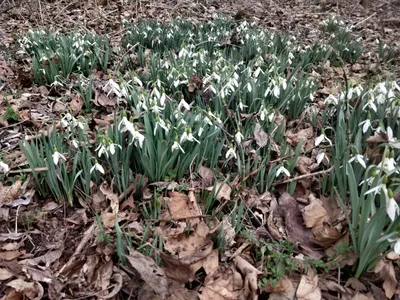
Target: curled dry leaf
(331, 286)
(222, 191)
(386, 272)
(355, 284)
(76, 104)
(223, 284)
(31, 290)
(316, 217)
(5, 274)
(250, 274)
(180, 207)
(308, 288)
(149, 271)
(297, 232)
(206, 175)
(9, 193)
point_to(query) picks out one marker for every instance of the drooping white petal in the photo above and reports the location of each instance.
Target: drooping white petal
(392, 209)
(396, 247)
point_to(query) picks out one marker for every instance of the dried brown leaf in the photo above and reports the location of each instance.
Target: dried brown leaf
(5, 274)
(181, 207)
(386, 272)
(222, 190)
(149, 271)
(250, 274)
(31, 290)
(206, 175)
(308, 288)
(223, 284)
(76, 104)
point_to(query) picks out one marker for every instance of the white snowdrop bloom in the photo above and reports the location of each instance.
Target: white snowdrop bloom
(75, 143)
(201, 130)
(4, 168)
(57, 156)
(126, 125)
(395, 86)
(331, 100)
(257, 72)
(320, 157)
(322, 138)
(358, 158)
(101, 149)
(388, 164)
(263, 113)
(241, 105)
(184, 137)
(97, 167)
(393, 141)
(249, 88)
(176, 146)
(66, 120)
(111, 148)
(239, 136)
(191, 138)
(230, 153)
(370, 103)
(396, 246)
(183, 104)
(283, 170)
(392, 208)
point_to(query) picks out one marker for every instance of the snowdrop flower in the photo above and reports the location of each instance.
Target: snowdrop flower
(257, 72)
(263, 112)
(176, 146)
(395, 86)
(111, 147)
(97, 167)
(322, 138)
(137, 80)
(183, 104)
(201, 130)
(388, 163)
(392, 208)
(56, 156)
(391, 139)
(160, 123)
(366, 124)
(239, 136)
(4, 168)
(320, 157)
(80, 123)
(358, 158)
(75, 143)
(230, 153)
(163, 97)
(137, 136)
(282, 169)
(191, 138)
(101, 149)
(126, 125)
(331, 100)
(396, 246)
(370, 103)
(66, 120)
(241, 105)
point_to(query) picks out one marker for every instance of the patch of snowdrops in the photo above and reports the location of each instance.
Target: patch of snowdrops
(212, 94)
